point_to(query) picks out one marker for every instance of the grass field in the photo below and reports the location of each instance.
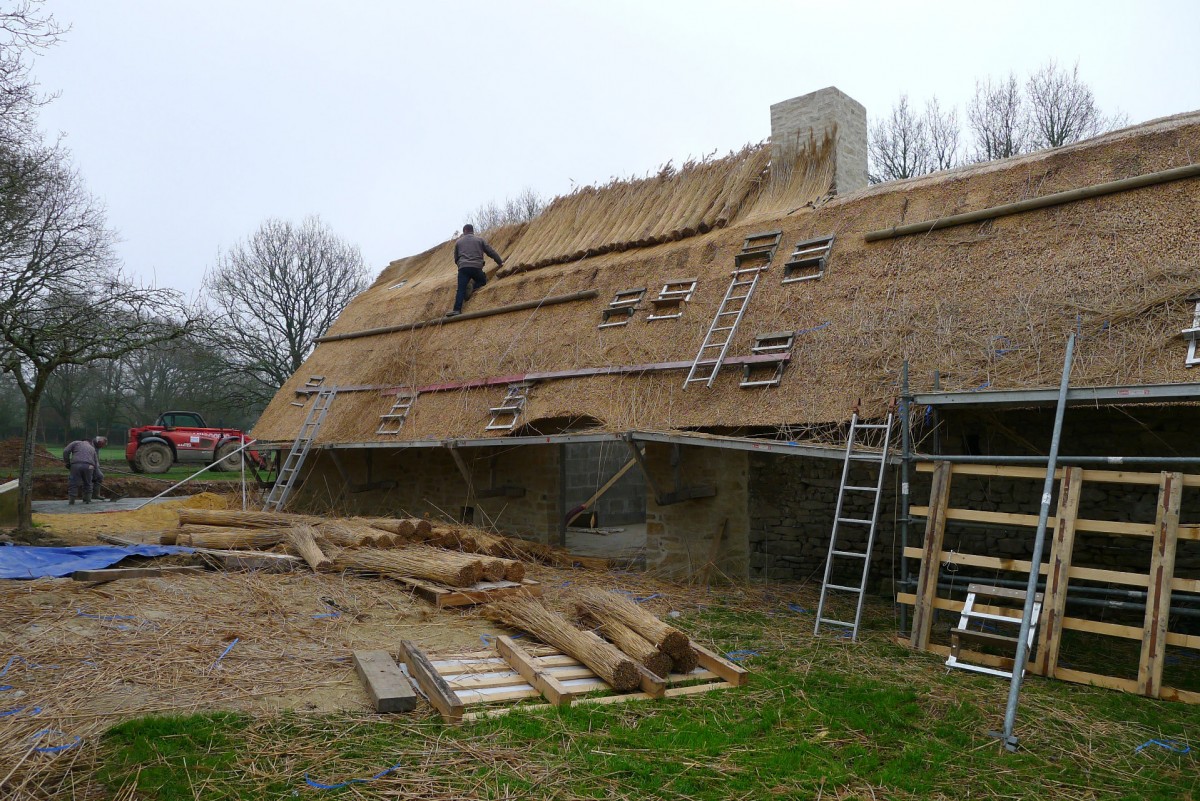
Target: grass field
(821, 718)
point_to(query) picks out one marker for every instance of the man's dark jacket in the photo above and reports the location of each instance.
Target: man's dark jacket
(469, 251)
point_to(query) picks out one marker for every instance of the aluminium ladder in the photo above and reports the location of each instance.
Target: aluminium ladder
(759, 248)
(290, 470)
(839, 553)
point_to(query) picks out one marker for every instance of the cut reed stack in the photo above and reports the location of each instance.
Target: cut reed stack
(552, 628)
(232, 518)
(413, 561)
(606, 607)
(302, 539)
(633, 644)
(231, 539)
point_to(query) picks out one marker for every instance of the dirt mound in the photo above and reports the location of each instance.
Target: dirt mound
(10, 454)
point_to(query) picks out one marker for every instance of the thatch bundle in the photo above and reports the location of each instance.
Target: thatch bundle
(233, 518)
(232, 539)
(412, 561)
(633, 644)
(606, 606)
(550, 627)
(302, 539)
(349, 534)
(409, 529)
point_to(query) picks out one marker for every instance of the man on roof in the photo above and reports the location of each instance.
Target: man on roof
(469, 251)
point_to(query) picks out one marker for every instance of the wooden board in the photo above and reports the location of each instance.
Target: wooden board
(264, 562)
(935, 532)
(439, 693)
(115, 573)
(387, 685)
(539, 678)
(481, 593)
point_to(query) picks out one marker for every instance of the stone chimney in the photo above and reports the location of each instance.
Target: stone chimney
(819, 112)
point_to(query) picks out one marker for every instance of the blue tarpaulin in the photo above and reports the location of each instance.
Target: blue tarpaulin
(29, 562)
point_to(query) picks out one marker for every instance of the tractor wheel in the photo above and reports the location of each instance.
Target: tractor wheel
(226, 459)
(153, 457)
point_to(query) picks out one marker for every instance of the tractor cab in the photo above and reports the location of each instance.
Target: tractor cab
(170, 420)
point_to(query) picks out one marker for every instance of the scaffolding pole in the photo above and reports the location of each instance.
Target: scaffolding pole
(1039, 541)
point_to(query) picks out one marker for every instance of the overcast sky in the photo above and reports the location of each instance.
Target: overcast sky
(393, 120)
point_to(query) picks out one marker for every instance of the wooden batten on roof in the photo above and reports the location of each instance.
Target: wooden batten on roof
(987, 304)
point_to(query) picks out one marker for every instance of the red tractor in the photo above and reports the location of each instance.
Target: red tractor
(183, 438)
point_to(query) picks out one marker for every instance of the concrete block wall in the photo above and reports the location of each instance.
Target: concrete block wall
(429, 484)
(679, 537)
(588, 465)
(818, 112)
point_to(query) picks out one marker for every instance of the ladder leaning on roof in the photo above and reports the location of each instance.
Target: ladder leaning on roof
(875, 493)
(758, 252)
(290, 469)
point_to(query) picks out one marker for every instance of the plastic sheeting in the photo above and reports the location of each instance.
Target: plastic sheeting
(30, 562)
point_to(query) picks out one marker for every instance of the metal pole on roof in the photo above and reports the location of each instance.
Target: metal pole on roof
(1039, 542)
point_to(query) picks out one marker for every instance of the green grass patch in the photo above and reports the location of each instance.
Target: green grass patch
(820, 717)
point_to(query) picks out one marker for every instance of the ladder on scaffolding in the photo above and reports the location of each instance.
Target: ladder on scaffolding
(755, 257)
(839, 554)
(290, 470)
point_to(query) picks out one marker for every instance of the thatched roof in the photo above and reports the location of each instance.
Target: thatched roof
(989, 303)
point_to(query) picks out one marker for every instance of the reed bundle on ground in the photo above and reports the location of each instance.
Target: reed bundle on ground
(232, 539)
(349, 534)
(552, 628)
(413, 561)
(605, 606)
(238, 519)
(408, 528)
(633, 644)
(302, 539)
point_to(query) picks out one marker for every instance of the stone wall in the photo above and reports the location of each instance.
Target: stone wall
(429, 484)
(679, 537)
(819, 112)
(588, 466)
(792, 501)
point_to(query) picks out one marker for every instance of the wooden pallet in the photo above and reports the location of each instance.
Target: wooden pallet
(483, 680)
(480, 593)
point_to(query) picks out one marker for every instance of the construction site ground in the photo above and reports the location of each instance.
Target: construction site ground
(240, 685)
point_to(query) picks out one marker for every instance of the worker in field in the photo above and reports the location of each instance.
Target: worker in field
(81, 459)
(469, 251)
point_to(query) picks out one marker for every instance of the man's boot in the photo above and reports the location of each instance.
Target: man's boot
(70, 501)
(87, 498)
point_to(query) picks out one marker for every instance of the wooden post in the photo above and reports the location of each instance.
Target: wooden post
(935, 533)
(1158, 594)
(390, 691)
(1050, 632)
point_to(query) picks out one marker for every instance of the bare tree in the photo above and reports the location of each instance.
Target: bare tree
(64, 301)
(943, 131)
(1063, 108)
(899, 145)
(522, 208)
(275, 293)
(999, 119)
(24, 29)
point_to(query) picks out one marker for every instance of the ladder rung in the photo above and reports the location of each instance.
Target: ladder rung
(1016, 621)
(505, 409)
(850, 553)
(843, 588)
(833, 622)
(867, 457)
(771, 383)
(871, 425)
(854, 520)
(862, 489)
